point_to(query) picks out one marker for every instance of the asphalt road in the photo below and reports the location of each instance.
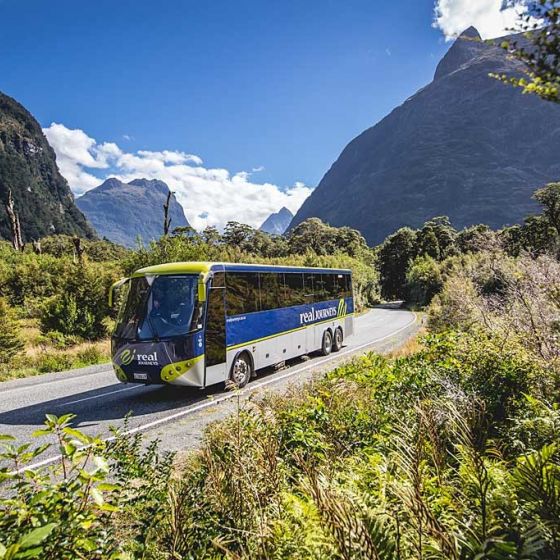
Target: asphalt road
(175, 415)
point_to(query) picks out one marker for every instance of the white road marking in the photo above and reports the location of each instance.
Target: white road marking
(48, 382)
(249, 389)
(101, 395)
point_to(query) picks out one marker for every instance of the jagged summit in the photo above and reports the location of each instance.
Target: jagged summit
(278, 222)
(467, 46)
(471, 33)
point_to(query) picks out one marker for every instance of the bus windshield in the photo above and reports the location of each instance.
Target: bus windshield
(159, 307)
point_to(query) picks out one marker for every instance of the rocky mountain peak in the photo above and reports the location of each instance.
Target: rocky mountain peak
(466, 47)
(122, 212)
(471, 33)
(278, 222)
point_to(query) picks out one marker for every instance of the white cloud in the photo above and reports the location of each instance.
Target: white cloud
(209, 196)
(492, 18)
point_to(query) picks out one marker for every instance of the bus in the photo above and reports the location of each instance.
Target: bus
(201, 323)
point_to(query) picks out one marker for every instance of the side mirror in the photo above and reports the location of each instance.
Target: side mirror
(113, 288)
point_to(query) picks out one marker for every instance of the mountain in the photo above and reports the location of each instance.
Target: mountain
(28, 168)
(466, 146)
(122, 212)
(278, 222)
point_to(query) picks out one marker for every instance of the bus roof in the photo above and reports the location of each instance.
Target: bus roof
(193, 267)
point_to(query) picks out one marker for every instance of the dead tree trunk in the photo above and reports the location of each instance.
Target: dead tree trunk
(78, 250)
(37, 249)
(15, 226)
(166, 218)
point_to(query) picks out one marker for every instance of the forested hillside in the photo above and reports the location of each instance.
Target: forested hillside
(42, 197)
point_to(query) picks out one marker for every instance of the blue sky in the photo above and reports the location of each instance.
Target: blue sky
(278, 87)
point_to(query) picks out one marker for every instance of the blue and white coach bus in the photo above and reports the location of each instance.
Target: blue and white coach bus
(199, 323)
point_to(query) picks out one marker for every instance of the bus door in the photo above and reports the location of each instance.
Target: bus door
(215, 336)
(309, 281)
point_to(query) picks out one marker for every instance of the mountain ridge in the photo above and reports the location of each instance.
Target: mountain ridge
(465, 145)
(122, 212)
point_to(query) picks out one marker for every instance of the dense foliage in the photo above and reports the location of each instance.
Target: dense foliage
(451, 451)
(539, 50)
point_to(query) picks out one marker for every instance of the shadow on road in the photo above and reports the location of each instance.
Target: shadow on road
(114, 402)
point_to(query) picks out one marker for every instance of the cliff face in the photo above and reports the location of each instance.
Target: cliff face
(466, 146)
(28, 168)
(122, 212)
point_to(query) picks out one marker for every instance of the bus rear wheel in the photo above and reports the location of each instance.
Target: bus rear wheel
(327, 345)
(337, 341)
(241, 371)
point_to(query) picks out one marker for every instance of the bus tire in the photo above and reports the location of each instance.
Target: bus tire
(337, 340)
(241, 370)
(327, 344)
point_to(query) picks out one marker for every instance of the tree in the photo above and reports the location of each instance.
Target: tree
(15, 225)
(314, 235)
(549, 197)
(437, 238)
(211, 235)
(166, 217)
(540, 51)
(11, 343)
(394, 258)
(423, 281)
(238, 235)
(474, 239)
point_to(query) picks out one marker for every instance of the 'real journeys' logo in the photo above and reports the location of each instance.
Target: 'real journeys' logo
(321, 314)
(128, 356)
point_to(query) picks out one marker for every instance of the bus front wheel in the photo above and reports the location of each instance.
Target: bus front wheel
(337, 341)
(326, 347)
(241, 371)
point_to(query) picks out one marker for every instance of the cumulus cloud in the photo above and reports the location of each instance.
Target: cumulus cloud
(210, 196)
(492, 18)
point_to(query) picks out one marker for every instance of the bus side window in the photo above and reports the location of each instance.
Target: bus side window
(332, 288)
(320, 285)
(348, 286)
(242, 293)
(271, 290)
(341, 285)
(215, 328)
(218, 280)
(294, 289)
(309, 288)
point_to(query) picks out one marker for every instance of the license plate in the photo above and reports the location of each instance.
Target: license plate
(141, 376)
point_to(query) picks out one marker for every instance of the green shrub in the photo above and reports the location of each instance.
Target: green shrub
(423, 281)
(90, 355)
(48, 362)
(102, 500)
(11, 343)
(56, 339)
(80, 307)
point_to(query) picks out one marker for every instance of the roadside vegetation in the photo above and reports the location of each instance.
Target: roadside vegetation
(53, 295)
(450, 449)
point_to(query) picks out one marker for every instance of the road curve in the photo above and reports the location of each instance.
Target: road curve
(175, 415)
